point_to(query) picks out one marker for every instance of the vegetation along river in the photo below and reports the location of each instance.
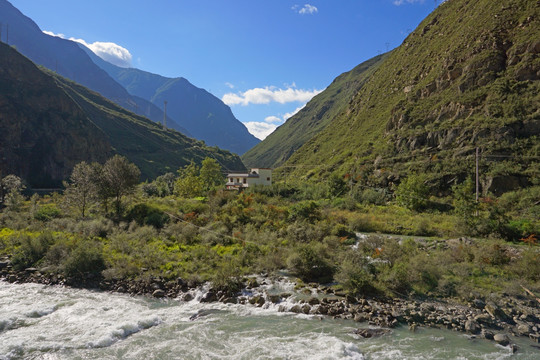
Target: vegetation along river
(50, 322)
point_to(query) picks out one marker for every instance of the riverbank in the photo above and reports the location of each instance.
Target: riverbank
(479, 318)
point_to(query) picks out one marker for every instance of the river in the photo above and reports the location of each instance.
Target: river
(49, 322)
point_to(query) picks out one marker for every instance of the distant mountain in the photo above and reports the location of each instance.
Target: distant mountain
(467, 77)
(205, 116)
(67, 59)
(312, 119)
(49, 123)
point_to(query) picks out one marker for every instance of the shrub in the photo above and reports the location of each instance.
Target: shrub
(310, 263)
(356, 274)
(31, 250)
(144, 214)
(86, 258)
(47, 212)
(413, 192)
(305, 210)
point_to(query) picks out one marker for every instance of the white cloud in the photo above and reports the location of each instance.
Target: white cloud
(307, 9)
(273, 119)
(260, 129)
(291, 114)
(229, 85)
(401, 2)
(108, 51)
(269, 94)
(53, 34)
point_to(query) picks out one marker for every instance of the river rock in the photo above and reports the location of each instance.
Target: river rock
(369, 333)
(296, 309)
(524, 329)
(210, 296)
(501, 339)
(472, 327)
(306, 309)
(313, 301)
(158, 293)
(486, 334)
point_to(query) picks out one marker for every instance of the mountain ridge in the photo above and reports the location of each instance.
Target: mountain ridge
(467, 77)
(50, 123)
(203, 115)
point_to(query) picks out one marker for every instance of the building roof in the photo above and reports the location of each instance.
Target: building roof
(243, 175)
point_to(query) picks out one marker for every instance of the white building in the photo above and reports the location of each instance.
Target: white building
(257, 176)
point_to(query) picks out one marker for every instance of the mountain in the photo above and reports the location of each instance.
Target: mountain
(205, 116)
(312, 119)
(49, 123)
(67, 59)
(466, 78)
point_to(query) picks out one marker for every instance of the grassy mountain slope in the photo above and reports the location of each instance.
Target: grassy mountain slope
(69, 60)
(49, 123)
(467, 77)
(153, 149)
(203, 115)
(312, 119)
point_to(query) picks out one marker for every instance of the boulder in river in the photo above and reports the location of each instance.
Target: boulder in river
(501, 339)
(371, 332)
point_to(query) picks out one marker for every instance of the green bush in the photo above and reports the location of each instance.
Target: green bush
(356, 274)
(31, 250)
(413, 192)
(47, 212)
(310, 263)
(144, 214)
(86, 258)
(305, 210)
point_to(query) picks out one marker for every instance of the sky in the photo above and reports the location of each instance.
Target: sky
(264, 58)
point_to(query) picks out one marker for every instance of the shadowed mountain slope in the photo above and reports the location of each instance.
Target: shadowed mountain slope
(49, 123)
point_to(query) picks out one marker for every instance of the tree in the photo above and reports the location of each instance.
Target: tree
(82, 190)
(189, 183)
(118, 178)
(412, 192)
(210, 173)
(11, 187)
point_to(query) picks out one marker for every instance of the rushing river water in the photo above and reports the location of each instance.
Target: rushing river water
(41, 322)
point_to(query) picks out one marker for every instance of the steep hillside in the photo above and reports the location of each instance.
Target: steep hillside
(203, 115)
(49, 123)
(43, 132)
(312, 119)
(69, 60)
(467, 77)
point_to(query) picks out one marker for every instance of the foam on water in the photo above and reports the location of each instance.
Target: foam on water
(39, 322)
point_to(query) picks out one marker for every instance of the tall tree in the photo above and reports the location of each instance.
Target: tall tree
(119, 178)
(11, 187)
(210, 173)
(82, 189)
(189, 183)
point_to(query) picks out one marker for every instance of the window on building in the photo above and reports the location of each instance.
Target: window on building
(267, 179)
(245, 180)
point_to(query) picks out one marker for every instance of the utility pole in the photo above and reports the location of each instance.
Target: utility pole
(165, 114)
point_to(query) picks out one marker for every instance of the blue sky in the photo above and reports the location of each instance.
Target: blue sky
(264, 58)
